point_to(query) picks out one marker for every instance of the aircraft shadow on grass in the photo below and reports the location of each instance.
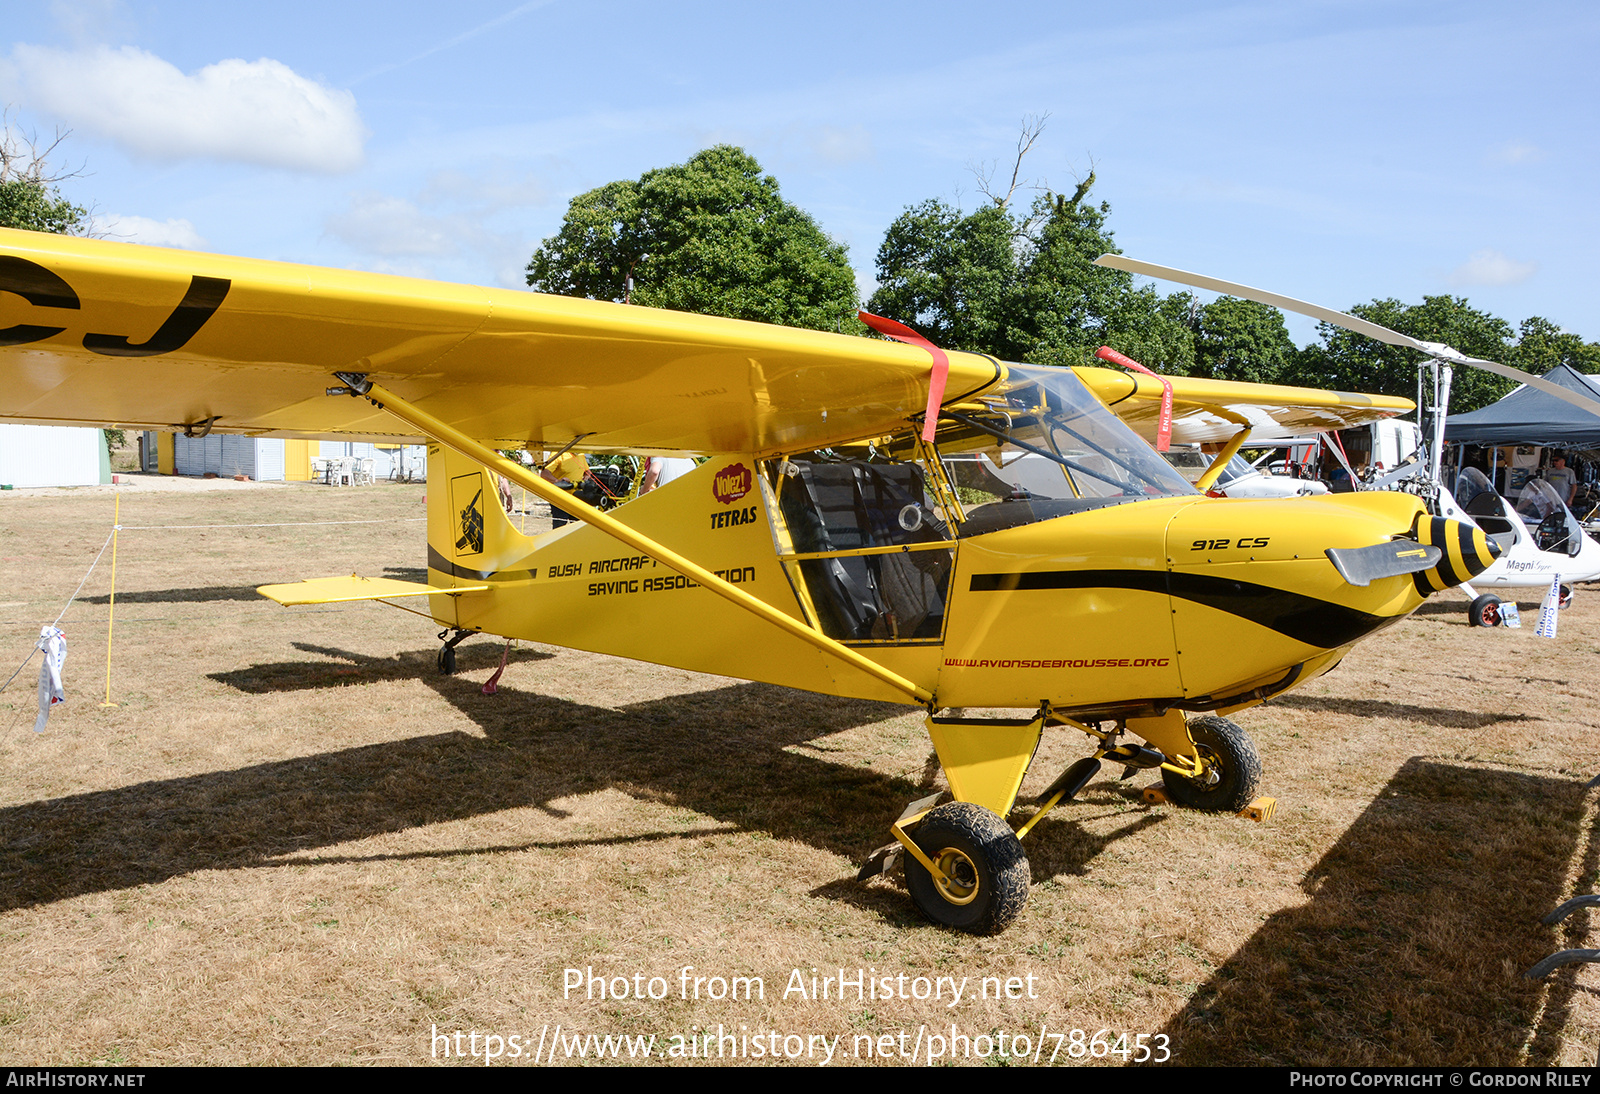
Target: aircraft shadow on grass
(722, 753)
(1404, 712)
(201, 595)
(1421, 922)
(245, 593)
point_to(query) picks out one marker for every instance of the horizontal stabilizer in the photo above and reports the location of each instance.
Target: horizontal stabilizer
(338, 590)
(1364, 565)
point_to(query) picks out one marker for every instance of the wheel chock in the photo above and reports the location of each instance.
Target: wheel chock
(1154, 795)
(1260, 810)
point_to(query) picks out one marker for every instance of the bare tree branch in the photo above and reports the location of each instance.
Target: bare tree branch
(22, 159)
(1032, 126)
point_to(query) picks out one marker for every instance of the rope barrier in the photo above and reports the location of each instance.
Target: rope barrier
(278, 524)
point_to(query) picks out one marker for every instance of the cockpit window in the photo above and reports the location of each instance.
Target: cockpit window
(1553, 526)
(1046, 447)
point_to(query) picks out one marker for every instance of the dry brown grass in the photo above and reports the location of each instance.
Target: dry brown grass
(292, 842)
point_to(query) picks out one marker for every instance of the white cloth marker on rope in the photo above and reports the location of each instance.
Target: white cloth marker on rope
(1549, 610)
(54, 644)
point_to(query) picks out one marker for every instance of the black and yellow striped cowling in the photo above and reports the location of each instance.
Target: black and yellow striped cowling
(1467, 552)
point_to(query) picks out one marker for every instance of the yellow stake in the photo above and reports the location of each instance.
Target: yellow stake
(116, 526)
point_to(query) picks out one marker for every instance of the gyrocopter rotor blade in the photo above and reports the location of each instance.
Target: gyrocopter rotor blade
(1348, 322)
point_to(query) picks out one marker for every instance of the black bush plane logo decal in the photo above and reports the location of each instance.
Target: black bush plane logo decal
(469, 541)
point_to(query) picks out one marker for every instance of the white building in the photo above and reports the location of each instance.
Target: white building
(53, 455)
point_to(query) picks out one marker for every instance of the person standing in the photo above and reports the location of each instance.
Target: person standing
(660, 470)
(1562, 478)
(566, 472)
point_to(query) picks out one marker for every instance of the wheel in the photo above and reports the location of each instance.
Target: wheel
(1231, 754)
(987, 869)
(447, 661)
(1484, 611)
(1564, 597)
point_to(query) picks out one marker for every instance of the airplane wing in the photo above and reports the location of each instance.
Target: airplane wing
(147, 337)
(344, 590)
(154, 338)
(1213, 410)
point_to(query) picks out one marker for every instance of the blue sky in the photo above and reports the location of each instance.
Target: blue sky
(1336, 151)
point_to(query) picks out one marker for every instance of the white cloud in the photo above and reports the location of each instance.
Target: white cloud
(391, 234)
(1517, 152)
(86, 21)
(1490, 268)
(487, 193)
(389, 226)
(161, 233)
(839, 147)
(251, 111)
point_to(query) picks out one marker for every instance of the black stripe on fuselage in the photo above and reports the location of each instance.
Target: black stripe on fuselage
(1303, 618)
(437, 561)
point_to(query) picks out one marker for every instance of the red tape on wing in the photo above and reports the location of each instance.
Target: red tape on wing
(1164, 423)
(941, 365)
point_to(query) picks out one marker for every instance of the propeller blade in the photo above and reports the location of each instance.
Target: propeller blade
(1348, 322)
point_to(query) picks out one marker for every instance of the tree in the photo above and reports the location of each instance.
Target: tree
(28, 197)
(1542, 345)
(956, 278)
(1025, 288)
(1345, 361)
(712, 235)
(1242, 340)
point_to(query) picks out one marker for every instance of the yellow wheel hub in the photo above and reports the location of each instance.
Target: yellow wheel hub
(958, 877)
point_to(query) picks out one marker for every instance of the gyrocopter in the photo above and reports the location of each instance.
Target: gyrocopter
(851, 530)
(1538, 541)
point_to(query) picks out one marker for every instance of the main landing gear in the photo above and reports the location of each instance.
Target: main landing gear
(983, 870)
(966, 868)
(1484, 611)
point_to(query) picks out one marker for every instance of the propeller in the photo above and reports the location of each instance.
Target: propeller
(1436, 350)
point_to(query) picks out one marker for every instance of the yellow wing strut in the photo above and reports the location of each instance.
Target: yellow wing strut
(454, 439)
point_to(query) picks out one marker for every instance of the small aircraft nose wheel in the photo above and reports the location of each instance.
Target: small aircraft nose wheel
(986, 871)
(1484, 611)
(1233, 768)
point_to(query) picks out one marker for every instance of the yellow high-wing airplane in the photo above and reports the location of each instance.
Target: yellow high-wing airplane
(948, 531)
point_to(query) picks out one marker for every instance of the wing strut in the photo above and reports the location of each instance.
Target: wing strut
(454, 439)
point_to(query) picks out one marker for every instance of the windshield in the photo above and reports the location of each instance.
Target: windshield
(1237, 468)
(1553, 526)
(1469, 484)
(1050, 413)
(1043, 448)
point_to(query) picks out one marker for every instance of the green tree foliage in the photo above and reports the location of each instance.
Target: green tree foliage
(712, 235)
(1242, 340)
(37, 208)
(1542, 345)
(1344, 361)
(28, 197)
(1024, 288)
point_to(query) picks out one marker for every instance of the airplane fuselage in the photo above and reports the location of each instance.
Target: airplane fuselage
(1193, 602)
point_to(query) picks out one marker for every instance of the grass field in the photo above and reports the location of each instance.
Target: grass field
(292, 841)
